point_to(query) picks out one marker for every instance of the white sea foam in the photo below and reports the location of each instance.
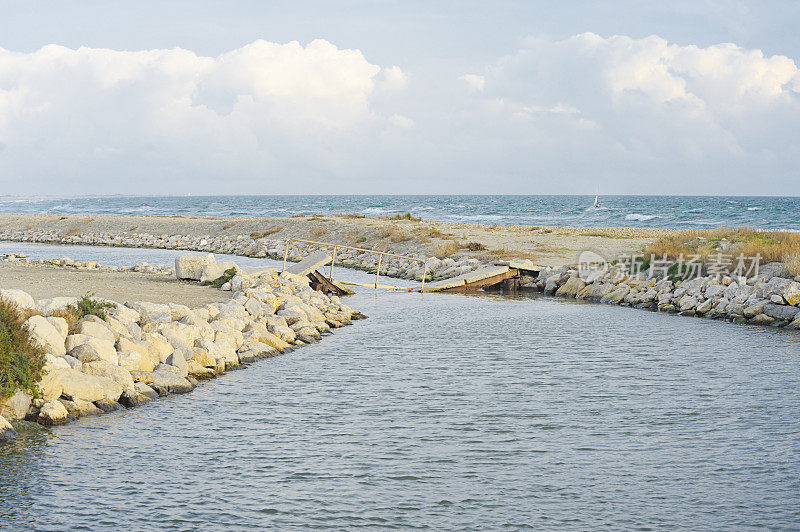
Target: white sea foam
(640, 217)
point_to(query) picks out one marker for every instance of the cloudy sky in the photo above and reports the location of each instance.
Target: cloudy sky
(254, 97)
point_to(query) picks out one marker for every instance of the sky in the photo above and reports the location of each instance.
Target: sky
(399, 97)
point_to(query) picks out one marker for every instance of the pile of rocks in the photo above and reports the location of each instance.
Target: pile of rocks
(145, 350)
(246, 246)
(763, 300)
(66, 262)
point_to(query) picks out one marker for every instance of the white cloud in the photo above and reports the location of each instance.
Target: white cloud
(105, 117)
(394, 78)
(639, 115)
(401, 121)
(652, 116)
(475, 82)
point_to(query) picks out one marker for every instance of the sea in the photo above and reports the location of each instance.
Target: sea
(689, 212)
(442, 411)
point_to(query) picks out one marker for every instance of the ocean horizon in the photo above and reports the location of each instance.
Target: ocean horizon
(686, 212)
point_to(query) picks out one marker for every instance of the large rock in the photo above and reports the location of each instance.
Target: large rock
(53, 305)
(203, 358)
(21, 299)
(7, 432)
(157, 347)
(96, 329)
(616, 295)
(60, 324)
(125, 314)
(53, 413)
(259, 333)
(134, 360)
(178, 361)
(46, 335)
(166, 382)
(101, 368)
(94, 350)
(16, 406)
(570, 288)
(792, 294)
(213, 271)
(140, 394)
(80, 408)
(278, 326)
(781, 312)
(77, 385)
(200, 372)
(776, 285)
(190, 265)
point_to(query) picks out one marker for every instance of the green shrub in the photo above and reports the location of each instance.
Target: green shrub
(86, 306)
(222, 279)
(21, 360)
(406, 216)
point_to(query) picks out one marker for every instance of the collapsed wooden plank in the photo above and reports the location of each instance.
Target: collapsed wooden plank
(472, 280)
(310, 263)
(328, 286)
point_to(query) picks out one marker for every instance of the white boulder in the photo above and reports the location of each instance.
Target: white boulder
(19, 298)
(46, 335)
(190, 265)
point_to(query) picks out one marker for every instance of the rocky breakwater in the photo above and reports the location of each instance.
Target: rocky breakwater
(760, 300)
(138, 351)
(262, 247)
(68, 263)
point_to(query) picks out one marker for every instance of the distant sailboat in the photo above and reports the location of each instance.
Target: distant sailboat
(597, 199)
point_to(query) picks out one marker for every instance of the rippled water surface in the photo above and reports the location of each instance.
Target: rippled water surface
(447, 411)
(701, 212)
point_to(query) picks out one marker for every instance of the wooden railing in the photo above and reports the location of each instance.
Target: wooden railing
(380, 254)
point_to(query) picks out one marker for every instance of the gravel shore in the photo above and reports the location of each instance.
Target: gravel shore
(546, 246)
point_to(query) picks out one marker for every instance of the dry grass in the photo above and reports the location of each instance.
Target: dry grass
(445, 250)
(318, 231)
(393, 234)
(430, 233)
(474, 246)
(350, 216)
(403, 217)
(504, 253)
(228, 225)
(354, 237)
(772, 246)
(71, 316)
(74, 229)
(255, 235)
(793, 263)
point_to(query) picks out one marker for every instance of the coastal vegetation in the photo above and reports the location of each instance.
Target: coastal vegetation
(88, 306)
(318, 231)
(21, 360)
(771, 246)
(445, 249)
(256, 235)
(405, 216)
(229, 274)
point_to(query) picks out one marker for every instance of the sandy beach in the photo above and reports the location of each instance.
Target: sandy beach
(545, 246)
(43, 282)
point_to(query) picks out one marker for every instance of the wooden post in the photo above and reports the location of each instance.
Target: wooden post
(378, 271)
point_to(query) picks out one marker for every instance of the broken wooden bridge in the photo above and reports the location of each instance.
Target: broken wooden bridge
(501, 276)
